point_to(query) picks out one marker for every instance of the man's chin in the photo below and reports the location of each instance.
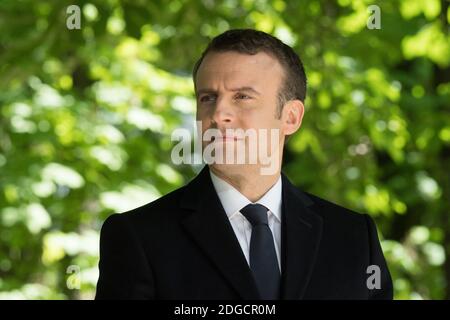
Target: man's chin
(234, 169)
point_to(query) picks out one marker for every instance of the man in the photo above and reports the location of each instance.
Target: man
(236, 232)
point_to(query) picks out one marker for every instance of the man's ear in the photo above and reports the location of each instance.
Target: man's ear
(292, 115)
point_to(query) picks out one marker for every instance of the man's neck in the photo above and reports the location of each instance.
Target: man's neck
(252, 186)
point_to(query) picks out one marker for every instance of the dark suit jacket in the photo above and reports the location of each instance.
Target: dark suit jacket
(182, 246)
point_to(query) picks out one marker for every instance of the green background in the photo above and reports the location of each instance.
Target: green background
(86, 118)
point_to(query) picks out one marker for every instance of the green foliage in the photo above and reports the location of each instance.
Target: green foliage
(86, 117)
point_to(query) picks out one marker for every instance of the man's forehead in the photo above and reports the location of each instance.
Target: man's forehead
(237, 70)
(231, 61)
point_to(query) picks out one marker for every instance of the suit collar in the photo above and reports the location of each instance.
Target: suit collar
(301, 231)
(208, 225)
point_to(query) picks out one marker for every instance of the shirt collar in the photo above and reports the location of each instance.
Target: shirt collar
(233, 201)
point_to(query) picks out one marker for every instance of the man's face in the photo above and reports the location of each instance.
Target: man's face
(239, 91)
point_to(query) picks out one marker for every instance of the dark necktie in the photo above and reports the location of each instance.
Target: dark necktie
(263, 258)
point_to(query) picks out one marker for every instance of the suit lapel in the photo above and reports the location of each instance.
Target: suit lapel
(301, 233)
(210, 228)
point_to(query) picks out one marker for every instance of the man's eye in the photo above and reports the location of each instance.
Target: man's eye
(242, 96)
(206, 98)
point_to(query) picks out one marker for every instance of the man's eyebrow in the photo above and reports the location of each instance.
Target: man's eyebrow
(249, 89)
(206, 90)
(246, 89)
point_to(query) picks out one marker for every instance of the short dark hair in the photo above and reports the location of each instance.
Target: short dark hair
(249, 41)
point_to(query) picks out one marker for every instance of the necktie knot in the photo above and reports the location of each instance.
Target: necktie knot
(256, 214)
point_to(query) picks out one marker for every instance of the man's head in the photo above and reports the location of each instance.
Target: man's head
(247, 79)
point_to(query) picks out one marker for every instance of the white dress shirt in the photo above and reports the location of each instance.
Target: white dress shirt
(233, 201)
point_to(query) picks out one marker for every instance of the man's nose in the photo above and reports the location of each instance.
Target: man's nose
(223, 112)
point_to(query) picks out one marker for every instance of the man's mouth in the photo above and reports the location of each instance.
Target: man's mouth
(225, 138)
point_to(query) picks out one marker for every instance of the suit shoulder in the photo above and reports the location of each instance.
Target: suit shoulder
(333, 211)
(159, 208)
(342, 225)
